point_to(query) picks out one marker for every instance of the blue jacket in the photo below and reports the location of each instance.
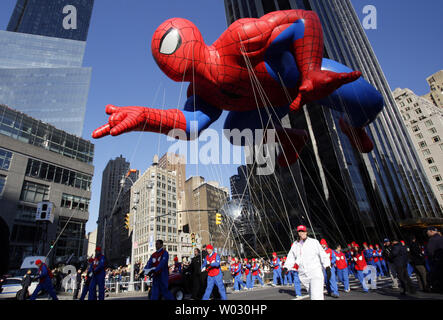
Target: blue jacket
(99, 270)
(162, 267)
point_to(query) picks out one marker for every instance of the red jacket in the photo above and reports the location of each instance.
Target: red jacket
(341, 261)
(212, 271)
(360, 262)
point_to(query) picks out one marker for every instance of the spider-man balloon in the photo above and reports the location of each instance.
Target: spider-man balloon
(282, 52)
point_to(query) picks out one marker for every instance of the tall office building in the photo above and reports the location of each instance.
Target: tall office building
(155, 212)
(239, 184)
(175, 162)
(39, 162)
(41, 63)
(345, 195)
(111, 213)
(424, 122)
(45, 18)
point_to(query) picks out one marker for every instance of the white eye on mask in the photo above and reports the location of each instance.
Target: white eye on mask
(170, 42)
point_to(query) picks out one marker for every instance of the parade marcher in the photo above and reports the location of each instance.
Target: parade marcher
(387, 248)
(350, 259)
(248, 274)
(379, 262)
(286, 274)
(330, 280)
(256, 273)
(87, 279)
(97, 269)
(360, 266)
(399, 257)
(368, 254)
(235, 269)
(342, 268)
(26, 283)
(177, 265)
(418, 262)
(158, 266)
(434, 250)
(311, 259)
(382, 260)
(215, 277)
(276, 268)
(78, 283)
(195, 269)
(296, 280)
(44, 275)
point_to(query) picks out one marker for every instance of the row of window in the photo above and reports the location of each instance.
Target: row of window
(49, 172)
(24, 128)
(74, 202)
(34, 192)
(423, 144)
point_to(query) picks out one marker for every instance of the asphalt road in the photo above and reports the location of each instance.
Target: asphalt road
(384, 291)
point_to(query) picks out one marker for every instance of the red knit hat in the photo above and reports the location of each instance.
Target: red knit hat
(37, 262)
(98, 249)
(274, 254)
(323, 241)
(301, 228)
(209, 247)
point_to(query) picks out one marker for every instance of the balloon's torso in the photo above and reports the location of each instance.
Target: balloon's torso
(250, 66)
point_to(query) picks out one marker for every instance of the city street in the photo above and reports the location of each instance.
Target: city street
(384, 291)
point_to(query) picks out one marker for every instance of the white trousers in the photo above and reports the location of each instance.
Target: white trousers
(314, 283)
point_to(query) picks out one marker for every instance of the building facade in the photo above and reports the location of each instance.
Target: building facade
(113, 207)
(42, 163)
(435, 82)
(41, 63)
(177, 163)
(424, 122)
(154, 212)
(341, 194)
(202, 195)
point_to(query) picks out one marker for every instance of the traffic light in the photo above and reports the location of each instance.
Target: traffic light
(127, 218)
(51, 244)
(218, 218)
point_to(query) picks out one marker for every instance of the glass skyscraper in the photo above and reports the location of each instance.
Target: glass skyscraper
(344, 195)
(45, 18)
(41, 71)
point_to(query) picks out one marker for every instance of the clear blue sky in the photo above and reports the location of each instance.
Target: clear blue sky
(407, 43)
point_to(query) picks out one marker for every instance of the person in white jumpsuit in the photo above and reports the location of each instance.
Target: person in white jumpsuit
(311, 259)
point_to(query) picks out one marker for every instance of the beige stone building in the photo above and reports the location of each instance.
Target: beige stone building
(200, 194)
(177, 163)
(435, 82)
(424, 122)
(154, 206)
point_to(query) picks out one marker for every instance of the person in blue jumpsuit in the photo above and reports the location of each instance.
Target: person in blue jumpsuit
(377, 256)
(350, 260)
(45, 283)
(255, 270)
(235, 269)
(87, 282)
(330, 280)
(159, 272)
(275, 264)
(248, 273)
(97, 269)
(215, 277)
